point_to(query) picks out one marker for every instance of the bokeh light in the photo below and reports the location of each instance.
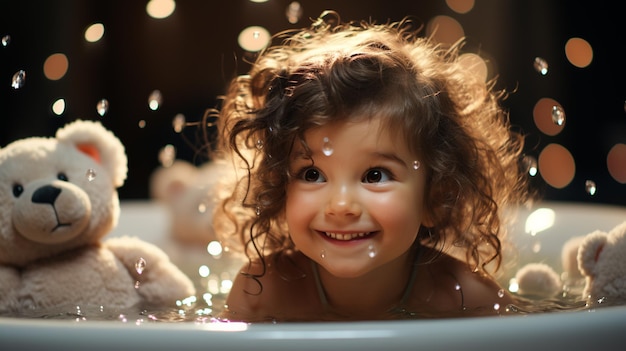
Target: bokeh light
(616, 162)
(544, 119)
(94, 32)
(539, 220)
(254, 38)
(475, 64)
(55, 66)
(294, 12)
(58, 107)
(445, 29)
(460, 6)
(579, 52)
(557, 166)
(160, 8)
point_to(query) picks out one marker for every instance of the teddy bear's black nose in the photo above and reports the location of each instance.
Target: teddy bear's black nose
(46, 195)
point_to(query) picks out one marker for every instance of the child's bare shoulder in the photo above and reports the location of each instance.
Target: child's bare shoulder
(456, 286)
(280, 287)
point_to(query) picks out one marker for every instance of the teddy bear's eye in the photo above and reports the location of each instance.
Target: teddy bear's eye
(18, 189)
(62, 176)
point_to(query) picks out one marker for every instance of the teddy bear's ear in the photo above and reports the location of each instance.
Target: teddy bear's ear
(590, 250)
(92, 139)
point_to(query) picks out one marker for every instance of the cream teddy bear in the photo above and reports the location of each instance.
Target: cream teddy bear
(602, 261)
(190, 194)
(59, 199)
(593, 264)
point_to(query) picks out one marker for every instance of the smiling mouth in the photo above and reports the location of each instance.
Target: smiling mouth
(347, 236)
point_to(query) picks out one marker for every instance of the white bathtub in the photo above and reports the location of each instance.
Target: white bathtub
(600, 328)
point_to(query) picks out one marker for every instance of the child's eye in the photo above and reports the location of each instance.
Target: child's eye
(312, 175)
(376, 175)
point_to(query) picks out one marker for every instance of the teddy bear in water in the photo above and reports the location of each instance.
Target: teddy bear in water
(593, 264)
(602, 261)
(59, 199)
(189, 195)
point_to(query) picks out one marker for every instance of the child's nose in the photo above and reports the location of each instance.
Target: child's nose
(343, 202)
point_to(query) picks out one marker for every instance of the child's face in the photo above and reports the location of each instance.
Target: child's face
(360, 204)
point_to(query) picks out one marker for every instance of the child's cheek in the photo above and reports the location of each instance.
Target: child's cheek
(396, 210)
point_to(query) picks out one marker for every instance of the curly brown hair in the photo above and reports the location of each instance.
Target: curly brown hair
(334, 71)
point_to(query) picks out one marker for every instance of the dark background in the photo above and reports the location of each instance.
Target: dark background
(191, 55)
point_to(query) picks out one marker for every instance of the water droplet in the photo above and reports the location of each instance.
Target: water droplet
(590, 187)
(416, 165)
(541, 66)
(102, 107)
(19, 79)
(501, 293)
(327, 147)
(91, 174)
(371, 251)
(155, 99)
(259, 144)
(323, 254)
(457, 287)
(137, 284)
(531, 165)
(178, 122)
(558, 115)
(140, 265)
(496, 306)
(6, 40)
(512, 308)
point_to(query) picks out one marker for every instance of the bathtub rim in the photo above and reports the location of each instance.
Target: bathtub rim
(565, 330)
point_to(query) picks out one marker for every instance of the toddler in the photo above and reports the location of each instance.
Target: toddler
(374, 168)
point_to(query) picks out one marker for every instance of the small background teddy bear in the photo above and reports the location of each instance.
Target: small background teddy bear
(602, 261)
(594, 269)
(59, 199)
(189, 194)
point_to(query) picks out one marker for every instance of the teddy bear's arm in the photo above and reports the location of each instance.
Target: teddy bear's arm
(10, 282)
(159, 280)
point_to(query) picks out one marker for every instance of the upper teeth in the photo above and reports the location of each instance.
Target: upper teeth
(350, 236)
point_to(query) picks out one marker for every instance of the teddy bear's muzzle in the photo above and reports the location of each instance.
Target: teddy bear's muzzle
(53, 214)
